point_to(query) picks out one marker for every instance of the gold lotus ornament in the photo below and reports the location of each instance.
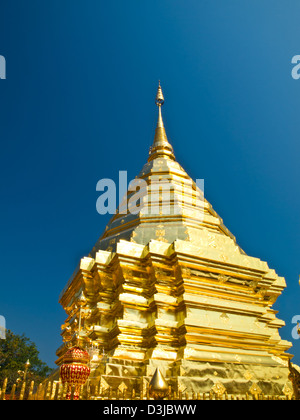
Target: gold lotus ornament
(158, 387)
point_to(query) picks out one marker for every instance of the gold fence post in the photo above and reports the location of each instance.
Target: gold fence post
(4, 386)
(22, 392)
(30, 390)
(54, 385)
(12, 392)
(48, 390)
(43, 393)
(40, 391)
(60, 391)
(45, 388)
(65, 390)
(96, 390)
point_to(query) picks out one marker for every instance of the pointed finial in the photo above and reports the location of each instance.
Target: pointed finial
(159, 100)
(161, 147)
(158, 386)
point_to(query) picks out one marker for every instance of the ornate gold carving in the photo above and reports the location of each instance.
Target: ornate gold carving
(288, 390)
(262, 292)
(122, 387)
(160, 232)
(186, 272)
(224, 318)
(218, 389)
(182, 387)
(255, 390)
(211, 240)
(253, 284)
(248, 375)
(222, 278)
(103, 384)
(182, 371)
(109, 371)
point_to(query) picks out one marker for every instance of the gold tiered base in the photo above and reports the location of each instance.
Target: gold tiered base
(203, 321)
(194, 377)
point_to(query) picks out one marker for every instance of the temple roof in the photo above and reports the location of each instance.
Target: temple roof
(170, 205)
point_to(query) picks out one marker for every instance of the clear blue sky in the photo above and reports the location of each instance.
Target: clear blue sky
(78, 106)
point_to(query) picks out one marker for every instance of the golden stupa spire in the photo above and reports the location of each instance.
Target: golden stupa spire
(161, 146)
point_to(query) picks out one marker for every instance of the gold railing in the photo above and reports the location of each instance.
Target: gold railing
(55, 390)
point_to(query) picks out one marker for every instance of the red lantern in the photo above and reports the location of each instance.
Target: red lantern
(75, 370)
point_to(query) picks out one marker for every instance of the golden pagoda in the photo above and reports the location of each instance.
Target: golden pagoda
(170, 289)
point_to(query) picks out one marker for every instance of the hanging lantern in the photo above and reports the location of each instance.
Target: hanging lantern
(75, 370)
